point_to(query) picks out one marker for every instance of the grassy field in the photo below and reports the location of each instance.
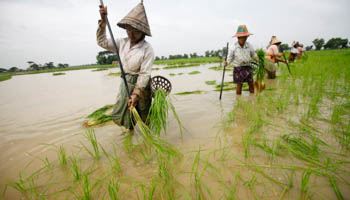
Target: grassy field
(194, 61)
(293, 143)
(5, 77)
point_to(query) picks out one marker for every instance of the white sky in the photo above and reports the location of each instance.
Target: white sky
(64, 31)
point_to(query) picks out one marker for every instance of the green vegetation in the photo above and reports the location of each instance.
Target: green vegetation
(210, 82)
(199, 60)
(99, 69)
(114, 74)
(181, 66)
(5, 77)
(291, 142)
(58, 74)
(99, 116)
(194, 72)
(190, 92)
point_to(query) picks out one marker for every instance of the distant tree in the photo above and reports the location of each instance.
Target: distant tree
(66, 65)
(193, 55)
(49, 65)
(105, 57)
(185, 56)
(336, 43)
(318, 43)
(33, 65)
(3, 70)
(207, 53)
(157, 58)
(163, 58)
(308, 48)
(60, 65)
(284, 47)
(13, 69)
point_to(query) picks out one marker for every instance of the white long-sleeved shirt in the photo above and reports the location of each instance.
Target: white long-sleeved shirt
(136, 60)
(240, 56)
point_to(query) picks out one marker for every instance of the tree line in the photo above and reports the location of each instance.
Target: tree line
(333, 43)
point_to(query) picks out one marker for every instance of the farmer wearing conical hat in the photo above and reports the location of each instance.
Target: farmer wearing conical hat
(137, 57)
(272, 57)
(294, 51)
(240, 54)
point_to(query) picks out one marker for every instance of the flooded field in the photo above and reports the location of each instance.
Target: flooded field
(289, 142)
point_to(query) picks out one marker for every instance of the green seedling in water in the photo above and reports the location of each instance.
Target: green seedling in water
(336, 190)
(58, 74)
(210, 82)
(305, 189)
(75, 168)
(113, 190)
(194, 72)
(90, 135)
(62, 157)
(190, 92)
(159, 111)
(99, 116)
(114, 74)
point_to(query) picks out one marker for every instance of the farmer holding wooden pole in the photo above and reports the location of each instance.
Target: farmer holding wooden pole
(272, 57)
(137, 57)
(241, 54)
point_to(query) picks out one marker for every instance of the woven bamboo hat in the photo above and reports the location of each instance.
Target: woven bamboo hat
(274, 40)
(137, 19)
(242, 31)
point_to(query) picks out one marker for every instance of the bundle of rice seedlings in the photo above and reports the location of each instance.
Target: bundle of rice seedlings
(99, 116)
(158, 114)
(260, 71)
(152, 140)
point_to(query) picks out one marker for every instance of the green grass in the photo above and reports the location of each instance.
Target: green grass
(5, 77)
(181, 66)
(99, 69)
(210, 82)
(114, 74)
(99, 116)
(190, 92)
(200, 60)
(194, 72)
(58, 74)
(91, 137)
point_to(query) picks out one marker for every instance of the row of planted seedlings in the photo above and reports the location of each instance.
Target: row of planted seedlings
(296, 139)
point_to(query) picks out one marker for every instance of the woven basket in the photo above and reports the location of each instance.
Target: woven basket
(160, 82)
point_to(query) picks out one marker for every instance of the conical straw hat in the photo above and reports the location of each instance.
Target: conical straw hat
(137, 19)
(242, 31)
(275, 41)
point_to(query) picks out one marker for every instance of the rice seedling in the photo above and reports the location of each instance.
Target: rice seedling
(99, 69)
(210, 82)
(190, 92)
(91, 137)
(62, 157)
(99, 116)
(151, 140)
(113, 189)
(336, 190)
(200, 188)
(179, 74)
(158, 113)
(76, 170)
(305, 188)
(251, 185)
(194, 72)
(113, 160)
(86, 187)
(114, 74)
(172, 74)
(181, 66)
(260, 71)
(58, 74)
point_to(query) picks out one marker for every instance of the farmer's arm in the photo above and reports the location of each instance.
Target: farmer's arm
(230, 56)
(144, 76)
(277, 54)
(101, 37)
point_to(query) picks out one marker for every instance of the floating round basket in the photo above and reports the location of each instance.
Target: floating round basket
(160, 82)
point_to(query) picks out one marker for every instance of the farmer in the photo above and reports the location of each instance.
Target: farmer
(137, 57)
(294, 51)
(241, 54)
(301, 51)
(272, 57)
(220, 56)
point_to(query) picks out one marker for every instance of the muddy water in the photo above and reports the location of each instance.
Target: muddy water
(39, 111)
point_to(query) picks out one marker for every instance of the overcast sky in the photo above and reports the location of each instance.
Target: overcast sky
(65, 31)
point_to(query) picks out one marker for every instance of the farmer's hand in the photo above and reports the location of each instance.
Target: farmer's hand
(103, 13)
(225, 63)
(133, 100)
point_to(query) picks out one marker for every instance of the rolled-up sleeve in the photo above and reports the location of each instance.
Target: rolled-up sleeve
(102, 40)
(252, 52)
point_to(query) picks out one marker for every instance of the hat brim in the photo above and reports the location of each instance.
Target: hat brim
(243, 34)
